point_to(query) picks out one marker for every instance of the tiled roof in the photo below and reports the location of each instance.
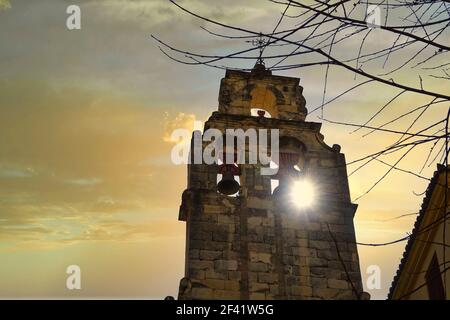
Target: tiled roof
(416, 227)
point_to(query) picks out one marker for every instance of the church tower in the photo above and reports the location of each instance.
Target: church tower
(294, 242)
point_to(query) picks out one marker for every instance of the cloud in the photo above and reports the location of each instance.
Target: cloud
(181, 121)
(85, 181)
(71, 156)
(5, 4)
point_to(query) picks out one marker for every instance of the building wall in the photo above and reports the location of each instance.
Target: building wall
(412, 277)
(256, 245)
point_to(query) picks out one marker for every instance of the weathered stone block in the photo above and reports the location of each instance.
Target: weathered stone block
(227, 295)
(264, 277)
(313, 226)
(337, 284)
(326, 272)
(201, 264)
(225, 219)
(254, 221)
(302, 242)
(222, 235)
(232, 285)
(301, 261)
(274, 289)
(197, 274)
(257, 296)
(258, 266)
(325, 293)
(210, 245)
(256, 237)
(303, 234)
(202, 293)
(342, 228)
(214, 283)
(288, 233)
(194, 253)
(253, 276)
(261, 247)
(297, 281)
(321, 245)
(230, 255)
(201, 235)
(258, 287)
(304, 291)
(260, 257)
(320, 235)
(208, 209)
(210, 255)
(222, 265)
(304, 252)
(268, 221)
(303, 270)
(319, 282)
(234, 275)
(317, 262)
(259, 203)
(327, 254)
(211, 274)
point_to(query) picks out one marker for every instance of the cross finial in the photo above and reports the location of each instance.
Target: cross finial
(261, 43)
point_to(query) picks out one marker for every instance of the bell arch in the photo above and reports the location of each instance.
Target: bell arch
(264, 98)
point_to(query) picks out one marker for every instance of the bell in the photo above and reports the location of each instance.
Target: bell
(228, 185)
(286, 172)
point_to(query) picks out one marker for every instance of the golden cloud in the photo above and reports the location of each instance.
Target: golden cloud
(5, 4)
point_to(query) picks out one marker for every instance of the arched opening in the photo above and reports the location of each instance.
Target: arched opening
(292, 146)
(290, 162)
(256, 112)
(264, 99)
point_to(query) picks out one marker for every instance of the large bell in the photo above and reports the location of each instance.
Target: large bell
(286, 172)
(228, 185)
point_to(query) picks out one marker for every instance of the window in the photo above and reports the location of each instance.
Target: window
(434, 280)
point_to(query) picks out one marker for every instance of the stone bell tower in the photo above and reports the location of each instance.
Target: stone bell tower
(258, 244)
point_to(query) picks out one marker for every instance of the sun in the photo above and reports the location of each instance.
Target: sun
(303, 193)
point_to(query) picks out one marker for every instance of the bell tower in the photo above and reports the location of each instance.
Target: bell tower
(248, 240)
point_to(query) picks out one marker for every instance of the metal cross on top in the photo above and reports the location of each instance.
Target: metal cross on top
(260, 42)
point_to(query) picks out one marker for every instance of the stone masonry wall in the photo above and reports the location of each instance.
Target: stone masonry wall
(256, 245)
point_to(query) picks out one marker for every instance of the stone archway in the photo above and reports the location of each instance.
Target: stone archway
(263, 97)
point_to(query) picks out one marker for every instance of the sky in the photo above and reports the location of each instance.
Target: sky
(85, 123)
